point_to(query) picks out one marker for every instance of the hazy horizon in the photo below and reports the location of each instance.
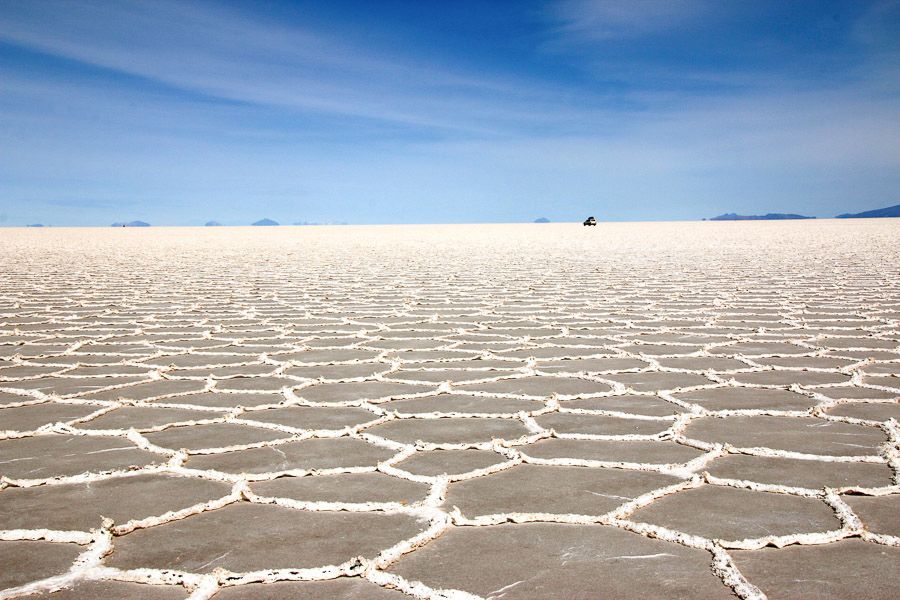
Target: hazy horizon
(421, 223)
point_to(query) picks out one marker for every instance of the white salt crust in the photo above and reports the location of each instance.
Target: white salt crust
(35, 313)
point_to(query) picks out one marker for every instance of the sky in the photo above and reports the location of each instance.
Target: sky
(178, 113)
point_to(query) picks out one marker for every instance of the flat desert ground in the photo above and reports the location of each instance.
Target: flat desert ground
(635, 410)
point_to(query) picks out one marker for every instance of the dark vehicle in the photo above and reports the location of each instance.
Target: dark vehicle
(590, 221)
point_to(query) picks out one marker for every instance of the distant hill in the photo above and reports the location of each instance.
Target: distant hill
(542, 220)
(767, 217)
(213, 224)
(131, 224)
(890, 211)
(265, 223)
(35, 225)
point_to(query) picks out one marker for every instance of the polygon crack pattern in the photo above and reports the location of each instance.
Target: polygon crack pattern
(689, 409)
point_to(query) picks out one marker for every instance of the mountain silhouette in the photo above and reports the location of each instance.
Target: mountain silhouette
(767, 217)
(890, 211)
(265, 223)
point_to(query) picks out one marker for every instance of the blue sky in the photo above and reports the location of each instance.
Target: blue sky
(178, 113)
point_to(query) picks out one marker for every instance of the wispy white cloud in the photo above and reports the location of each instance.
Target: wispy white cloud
(210, 50)
(582, 20)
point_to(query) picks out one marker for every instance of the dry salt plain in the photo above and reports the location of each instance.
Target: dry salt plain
(678, 410)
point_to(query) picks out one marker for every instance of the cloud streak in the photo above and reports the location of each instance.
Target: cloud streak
(230, 56)
(588, 20)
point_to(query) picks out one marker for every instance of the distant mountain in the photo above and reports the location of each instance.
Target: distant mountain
(542, 220)
(767, 217)
(266, 223)
(35, 225)
(890, 211)
(213, 224)
(131, 224)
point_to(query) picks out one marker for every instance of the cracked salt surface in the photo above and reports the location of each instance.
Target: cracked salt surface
(645, 410)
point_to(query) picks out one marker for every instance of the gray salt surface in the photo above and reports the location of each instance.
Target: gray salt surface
(810, 474)
(449, 430)
(29, 418)
(600, 425)
(325, 453)
(735, 514)
(450, 462)
(81, 506)
(311, 417)
(463, 404)
(47, 456)
(268, 537)
(213, 436)
(849, 569)
(561, 490)
(563, 561)
(796, 434)
(632, 451)
(112, 590)
(28, 561)
(338, 589)
(346, 487)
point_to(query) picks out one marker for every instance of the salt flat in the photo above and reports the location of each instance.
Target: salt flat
(667, 410)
